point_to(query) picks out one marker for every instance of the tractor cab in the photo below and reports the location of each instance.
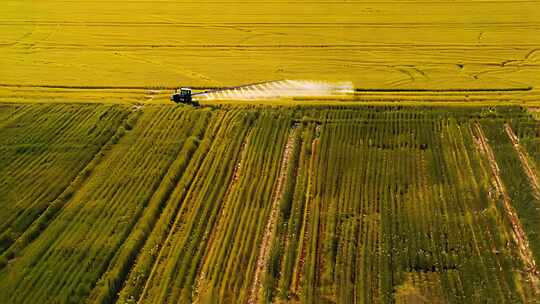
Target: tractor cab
(183, 95)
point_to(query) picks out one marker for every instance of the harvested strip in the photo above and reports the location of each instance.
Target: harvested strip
(270, 227)
(519, 235)
(524, 158)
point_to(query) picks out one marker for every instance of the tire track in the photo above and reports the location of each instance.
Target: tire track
(518, 234)
(201, 278)
(167, 245)
(304, 234)
(270, 227)
(528, 167)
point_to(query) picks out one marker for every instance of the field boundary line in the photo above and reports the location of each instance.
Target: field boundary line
(519, 235)
(270, 227)
(528, 167)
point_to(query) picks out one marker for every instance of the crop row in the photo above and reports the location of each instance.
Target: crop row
(210, 250)
(402, 206)
(65, 261)
(257, 205)
(42, 149)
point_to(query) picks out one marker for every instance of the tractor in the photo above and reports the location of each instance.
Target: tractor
(183, 95)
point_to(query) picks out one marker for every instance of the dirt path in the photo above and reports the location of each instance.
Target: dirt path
(524, 158)
(270, 227)
(518, 234)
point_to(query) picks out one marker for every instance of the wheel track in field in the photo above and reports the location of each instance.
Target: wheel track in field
(155, 240)
(270, 227)
(528, 167)
(518, 234)
(174, 226)
(300, 260)
(201, 278)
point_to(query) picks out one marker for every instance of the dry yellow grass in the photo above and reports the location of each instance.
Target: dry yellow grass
(149, 44)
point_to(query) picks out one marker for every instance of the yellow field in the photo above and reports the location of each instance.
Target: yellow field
(130, 47)
(382, 151)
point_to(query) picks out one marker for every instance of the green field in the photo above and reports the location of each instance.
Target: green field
(364, 204)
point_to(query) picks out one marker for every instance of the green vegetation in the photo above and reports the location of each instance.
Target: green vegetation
(310, 204)
(525, 202)
(43, 148)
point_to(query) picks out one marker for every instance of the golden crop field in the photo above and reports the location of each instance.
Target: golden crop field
(127, 48)
(382, 151)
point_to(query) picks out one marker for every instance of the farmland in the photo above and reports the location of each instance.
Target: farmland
(117, 51)
(364, 204)
(419, 182)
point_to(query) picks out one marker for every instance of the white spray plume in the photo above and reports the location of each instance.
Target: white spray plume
(280, 89)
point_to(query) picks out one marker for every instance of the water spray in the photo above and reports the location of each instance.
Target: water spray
(279, 89)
